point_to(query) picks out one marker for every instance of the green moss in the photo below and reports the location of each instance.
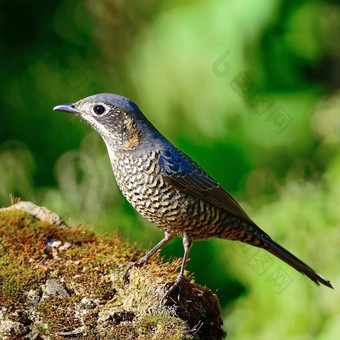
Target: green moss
(162, 327)
(16, 283)
(59, 314)
(86, 267)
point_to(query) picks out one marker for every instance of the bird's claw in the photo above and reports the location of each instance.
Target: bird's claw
(138, 263)
(174, 284)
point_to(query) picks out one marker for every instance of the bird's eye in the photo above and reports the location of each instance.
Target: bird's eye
(99, 109)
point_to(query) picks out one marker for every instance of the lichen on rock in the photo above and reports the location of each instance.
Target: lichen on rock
(59, 282)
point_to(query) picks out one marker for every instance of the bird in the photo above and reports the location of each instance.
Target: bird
(168, 188)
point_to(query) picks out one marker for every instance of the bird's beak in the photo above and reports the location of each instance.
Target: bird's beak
(69, 108)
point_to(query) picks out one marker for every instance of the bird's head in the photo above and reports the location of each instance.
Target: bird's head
(117, 119)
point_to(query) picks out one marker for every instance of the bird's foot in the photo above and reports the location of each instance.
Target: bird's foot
(176, 284)
(141, 262)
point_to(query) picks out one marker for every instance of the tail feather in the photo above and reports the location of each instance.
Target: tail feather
(283, 254)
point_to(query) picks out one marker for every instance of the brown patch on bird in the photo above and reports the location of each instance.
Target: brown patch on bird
(133, 136)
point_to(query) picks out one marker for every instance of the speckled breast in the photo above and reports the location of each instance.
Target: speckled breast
(140, 179)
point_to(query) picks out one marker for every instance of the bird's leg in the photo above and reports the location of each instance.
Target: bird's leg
(187, 243)
(143, 260)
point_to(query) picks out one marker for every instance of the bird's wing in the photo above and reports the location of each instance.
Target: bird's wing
(187, 176)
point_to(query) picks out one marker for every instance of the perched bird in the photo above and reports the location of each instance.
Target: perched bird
(167, 187)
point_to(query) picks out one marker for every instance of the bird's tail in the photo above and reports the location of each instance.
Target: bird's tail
(267, 243)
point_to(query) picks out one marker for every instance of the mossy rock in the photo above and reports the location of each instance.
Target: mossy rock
(60, 282)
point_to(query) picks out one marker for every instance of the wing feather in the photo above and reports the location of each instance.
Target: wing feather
(187, 176)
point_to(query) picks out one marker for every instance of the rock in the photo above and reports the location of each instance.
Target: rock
(72, 288)
(12, 329)
(33, 297)
(53, 287)
(86, 303)
(40, 213)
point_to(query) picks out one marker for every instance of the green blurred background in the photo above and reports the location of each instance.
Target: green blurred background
(249, 89)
